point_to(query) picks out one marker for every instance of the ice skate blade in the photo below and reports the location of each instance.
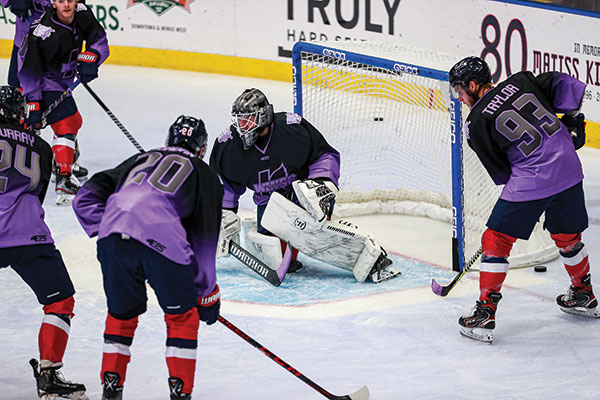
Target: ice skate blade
(64, 199)
(582, 312)
(479, 334)
(71, 396)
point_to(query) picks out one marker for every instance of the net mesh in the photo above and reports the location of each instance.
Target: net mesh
(393, 130)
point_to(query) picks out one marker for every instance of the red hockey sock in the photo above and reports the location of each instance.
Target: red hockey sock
(63, 145)
(182, 342)
(496, 248)
(54, 332)
(574, 256)
(118, 337)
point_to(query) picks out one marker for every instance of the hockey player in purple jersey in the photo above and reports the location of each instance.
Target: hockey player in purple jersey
(514, 130)
(157, 218)
(27, 245)
(26, 12)
(286, 162)
(50, 58)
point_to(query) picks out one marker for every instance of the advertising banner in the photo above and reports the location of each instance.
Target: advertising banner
(508, 36)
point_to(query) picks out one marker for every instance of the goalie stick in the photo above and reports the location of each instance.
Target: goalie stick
(273, 276)
(444, 290)
(360, 394)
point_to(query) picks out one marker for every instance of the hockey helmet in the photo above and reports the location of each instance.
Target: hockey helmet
(189, 133)
(13, 106)
(467, 69)
(251, 112)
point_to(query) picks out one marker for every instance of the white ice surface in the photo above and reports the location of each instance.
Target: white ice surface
(401, 343)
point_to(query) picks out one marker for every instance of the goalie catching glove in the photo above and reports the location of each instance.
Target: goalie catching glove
(230, 229)
(576, 125)
(316, 197)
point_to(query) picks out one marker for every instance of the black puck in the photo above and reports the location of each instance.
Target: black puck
(540, 268)
(378, 119)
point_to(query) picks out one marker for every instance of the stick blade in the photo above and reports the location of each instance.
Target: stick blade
(360, 394)
(438, 289)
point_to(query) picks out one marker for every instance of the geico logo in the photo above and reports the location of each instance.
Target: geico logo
(333, 53)
(406, 68)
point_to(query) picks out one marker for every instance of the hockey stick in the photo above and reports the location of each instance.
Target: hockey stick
(444, 290)
(56, 102)
(360, 394)
(114, 118)
(273, 276)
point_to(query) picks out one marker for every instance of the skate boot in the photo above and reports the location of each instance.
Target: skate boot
(51, 384)
(383, 269)
(295, 266)
(479, 324)
(175, 387)
(580, 300)
(66, 188)
(110, 388)
(80, 172)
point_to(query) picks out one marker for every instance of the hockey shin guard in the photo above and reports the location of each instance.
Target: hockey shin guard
(118, 337)
(574, 256)
(496, 248)
(63, 145)
(182, 342)
(54, 332)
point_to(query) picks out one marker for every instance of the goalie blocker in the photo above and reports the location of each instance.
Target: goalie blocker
(337, 242)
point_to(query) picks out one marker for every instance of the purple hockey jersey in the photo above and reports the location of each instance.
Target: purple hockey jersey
(48, 56)
(520, 141)
(25, 167)
(167, 199)
(37, 9)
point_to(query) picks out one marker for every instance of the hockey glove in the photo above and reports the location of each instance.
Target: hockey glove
(317, 197)
(209, 306)
(575, 125)
(230, 229)
(87, 65)
(34, 117)
(21, 8)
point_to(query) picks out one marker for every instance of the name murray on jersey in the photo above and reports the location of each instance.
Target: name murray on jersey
(17, 135)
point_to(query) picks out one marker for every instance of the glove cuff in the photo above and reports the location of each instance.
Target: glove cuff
(33, 106)
(89, 56)
(213, 298)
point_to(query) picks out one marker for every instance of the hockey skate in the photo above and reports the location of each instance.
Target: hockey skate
(67, 186)
(383, 270)
(51, 384)
(295, 266)
(80, 172)
(175, 387)
(580, 300)
(480, 323)
(110, 388)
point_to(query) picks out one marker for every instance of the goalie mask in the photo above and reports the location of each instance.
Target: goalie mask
(189, 133)
(467, 69)
(13, 106)
(250, 114)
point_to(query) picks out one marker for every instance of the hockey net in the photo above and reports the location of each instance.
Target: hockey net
(387, 109)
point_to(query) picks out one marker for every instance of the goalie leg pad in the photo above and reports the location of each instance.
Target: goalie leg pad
(338, 242)
(266, 248)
